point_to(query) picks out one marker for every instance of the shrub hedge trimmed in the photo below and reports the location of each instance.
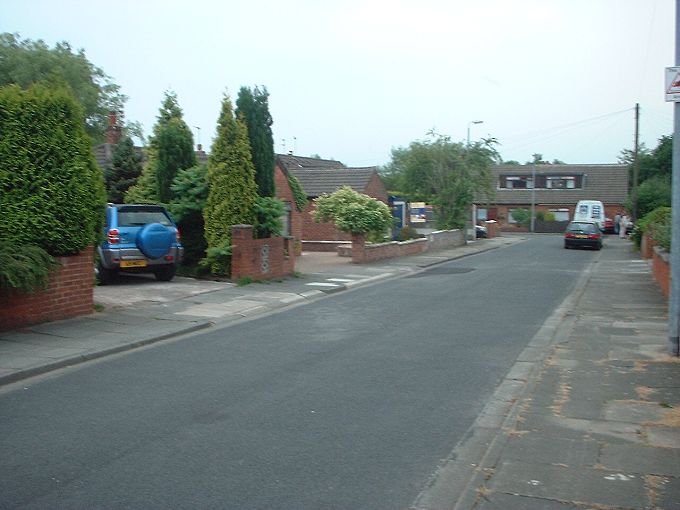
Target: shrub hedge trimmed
(51, 189)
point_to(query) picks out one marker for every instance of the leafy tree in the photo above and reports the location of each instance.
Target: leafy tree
(25, 62)
(125, 169)
(232, 189)
(353, 212)
(171, 149)
(252, 106)
(654, 175)
(653, 193)
(190, 189)
(521, 216)
(51, 189)
(445, 174)
(268, 212)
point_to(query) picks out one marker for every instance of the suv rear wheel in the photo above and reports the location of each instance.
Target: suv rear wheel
(165, 273)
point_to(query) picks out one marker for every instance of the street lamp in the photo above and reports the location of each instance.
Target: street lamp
(468, 129)
(473, 233)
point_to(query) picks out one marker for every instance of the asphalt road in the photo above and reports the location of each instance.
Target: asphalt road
(346, 403)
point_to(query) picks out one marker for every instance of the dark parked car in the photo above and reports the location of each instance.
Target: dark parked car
(583, 234)
(481, 232)
(609, 227)
(139, 239)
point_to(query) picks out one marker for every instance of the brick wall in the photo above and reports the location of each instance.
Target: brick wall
(646, 246)
(362, 253)
(260, 259)
(662, 270)
(313, 231)
(70, 293)
(283, 192)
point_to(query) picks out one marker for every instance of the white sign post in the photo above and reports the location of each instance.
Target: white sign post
(673, 84)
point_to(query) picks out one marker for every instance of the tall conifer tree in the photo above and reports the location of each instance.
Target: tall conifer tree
(232, 189)
(171, 149)
(252, 106)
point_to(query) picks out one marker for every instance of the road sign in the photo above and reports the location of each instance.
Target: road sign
(673, 84)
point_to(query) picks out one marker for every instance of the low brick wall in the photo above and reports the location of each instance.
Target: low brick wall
(445, 239)
(70, 293)
(260, 259)
(646, 247)
(362, 252)
(323, 246)
(661, 269)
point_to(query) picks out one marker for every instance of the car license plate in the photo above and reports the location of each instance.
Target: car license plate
(133, 263)
(581, 236)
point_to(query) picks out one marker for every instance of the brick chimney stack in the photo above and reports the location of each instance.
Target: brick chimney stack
(113, 131)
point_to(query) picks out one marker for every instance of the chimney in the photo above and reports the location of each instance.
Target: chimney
(113, 131)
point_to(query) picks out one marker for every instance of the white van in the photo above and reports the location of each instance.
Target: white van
(590, 210)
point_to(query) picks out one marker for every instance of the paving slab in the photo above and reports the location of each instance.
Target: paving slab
(580, 484)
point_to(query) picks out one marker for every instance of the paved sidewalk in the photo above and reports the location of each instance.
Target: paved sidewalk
(140, 310)
(589, 417)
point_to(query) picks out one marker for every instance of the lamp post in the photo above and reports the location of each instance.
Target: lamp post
(468, 129)
(473, 233)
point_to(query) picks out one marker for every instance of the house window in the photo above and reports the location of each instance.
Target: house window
(519, 182)
(560, 214)
(560, 182)
(482, 214)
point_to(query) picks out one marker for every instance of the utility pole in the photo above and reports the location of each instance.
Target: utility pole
(636, 167)
(674, 301)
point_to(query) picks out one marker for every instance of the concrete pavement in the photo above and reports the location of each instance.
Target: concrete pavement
(588, 418)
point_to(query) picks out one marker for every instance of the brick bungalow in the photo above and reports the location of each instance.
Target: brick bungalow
(558, 188)
(318, 176)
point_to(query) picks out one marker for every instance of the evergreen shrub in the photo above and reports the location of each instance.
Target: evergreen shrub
(51, 189)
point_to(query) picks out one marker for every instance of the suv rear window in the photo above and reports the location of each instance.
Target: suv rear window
(132, 218)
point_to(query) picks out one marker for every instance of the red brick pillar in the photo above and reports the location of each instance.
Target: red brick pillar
(241, 239)
(358, 249)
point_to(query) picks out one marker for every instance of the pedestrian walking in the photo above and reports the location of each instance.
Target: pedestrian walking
(617, 220)
(623, 224)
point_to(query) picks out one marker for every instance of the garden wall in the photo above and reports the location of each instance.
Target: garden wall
(362, 253)
(70, 293)
(661, 269)
(260, 259)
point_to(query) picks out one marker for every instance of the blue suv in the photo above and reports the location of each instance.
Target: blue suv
(139, 239)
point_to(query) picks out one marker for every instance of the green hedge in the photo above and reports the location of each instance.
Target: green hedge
(657, 224)
(51, 189)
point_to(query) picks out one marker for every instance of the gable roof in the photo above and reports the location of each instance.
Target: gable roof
(319, 180)
(607, 183)
(290, 162)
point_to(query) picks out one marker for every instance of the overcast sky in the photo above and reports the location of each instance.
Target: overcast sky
(352, 79)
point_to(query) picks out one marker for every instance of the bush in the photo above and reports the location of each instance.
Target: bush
(51, 189)
(521, 216)
(268, 212)
(655, 223)
(24, 268)
(353, 212)
(408, 232)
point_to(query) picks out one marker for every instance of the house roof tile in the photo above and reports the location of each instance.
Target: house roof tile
(607, 183)
(290, 162)
(319, 180)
